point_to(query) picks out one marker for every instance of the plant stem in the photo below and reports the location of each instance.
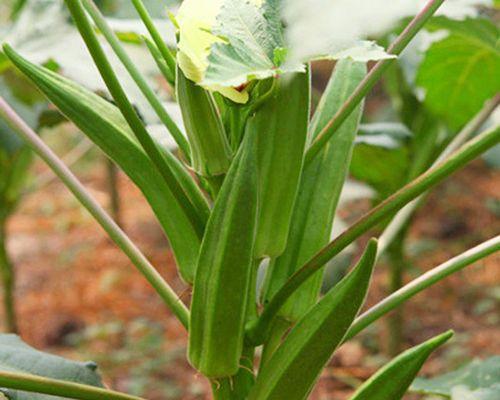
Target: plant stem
(372, 78)
(397, 266)
(259, 329)
(136, 75)
(423, 282)
(71, 158)
(403, 215)
(8, 280)
(113, 84)
(66, 389)
(155, 35)
(114, 194)
(160, 62)
(278, 330)
(116, 234)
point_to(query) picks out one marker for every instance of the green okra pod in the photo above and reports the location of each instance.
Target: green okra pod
(178, 204)
(320, 187)
(210, 149)
(224, 271)
(292, 370)
(281, 126)
(392, 380)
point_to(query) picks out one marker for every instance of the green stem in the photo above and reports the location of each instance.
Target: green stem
(136, 75)
(160, 62)
(423, 282)
(71, 158)
(114, 194)
(404, 215)
(116, 234)
(155, 35)
(148, 144)
(8, 280)
(367, 84)
(37, 384)
(397, 266)
(238, 386)
(278, 330)
(259, 329)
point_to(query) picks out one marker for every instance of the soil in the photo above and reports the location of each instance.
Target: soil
(74, 287)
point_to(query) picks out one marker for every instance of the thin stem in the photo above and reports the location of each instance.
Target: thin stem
(113, 192)
(397, 264)
(402, 217)
(8, 280)
(155, 35)
(136, 75)
(66, 389)
(367, 84)
(116, 234)
(71, 158)
(423, 282)
(160, 62)
(148, 144)
(259, 329)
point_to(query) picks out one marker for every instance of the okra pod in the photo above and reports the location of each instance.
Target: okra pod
(224, 271)
(320, 187)
(292, 370)
(392, 380)
(210, 149)
(281, 127)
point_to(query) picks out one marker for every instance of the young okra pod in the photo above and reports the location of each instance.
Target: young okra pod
(281, 127)
(320, 186)
(393, 380)
(224, 271)
(292, 370)
(210, 149)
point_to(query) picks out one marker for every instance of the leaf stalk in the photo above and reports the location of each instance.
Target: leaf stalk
(258, 330)
(372, 78)
(112, 229)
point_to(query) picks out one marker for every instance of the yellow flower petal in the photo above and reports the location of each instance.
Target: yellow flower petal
(195, 20)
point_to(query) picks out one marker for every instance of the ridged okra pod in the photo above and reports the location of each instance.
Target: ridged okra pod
(292, 370)
(224, 271)
(393, 379)
(210, 149)
(281, 128)
(319, 191)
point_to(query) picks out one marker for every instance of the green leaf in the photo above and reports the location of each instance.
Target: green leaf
(463, 393)
(392, 380)
(381, 156)
(296, 365)
(252, 35)
(480, 377)
(106, 127)
(17, 356)
(319, 192)
(460, 72)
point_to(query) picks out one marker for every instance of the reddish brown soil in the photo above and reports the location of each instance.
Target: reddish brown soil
(70, 276)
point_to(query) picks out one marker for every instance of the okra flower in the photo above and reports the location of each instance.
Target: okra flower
(224, 44)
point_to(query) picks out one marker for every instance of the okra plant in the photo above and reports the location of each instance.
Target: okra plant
(256, 178)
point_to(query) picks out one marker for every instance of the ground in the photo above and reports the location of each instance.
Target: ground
(78, 296)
